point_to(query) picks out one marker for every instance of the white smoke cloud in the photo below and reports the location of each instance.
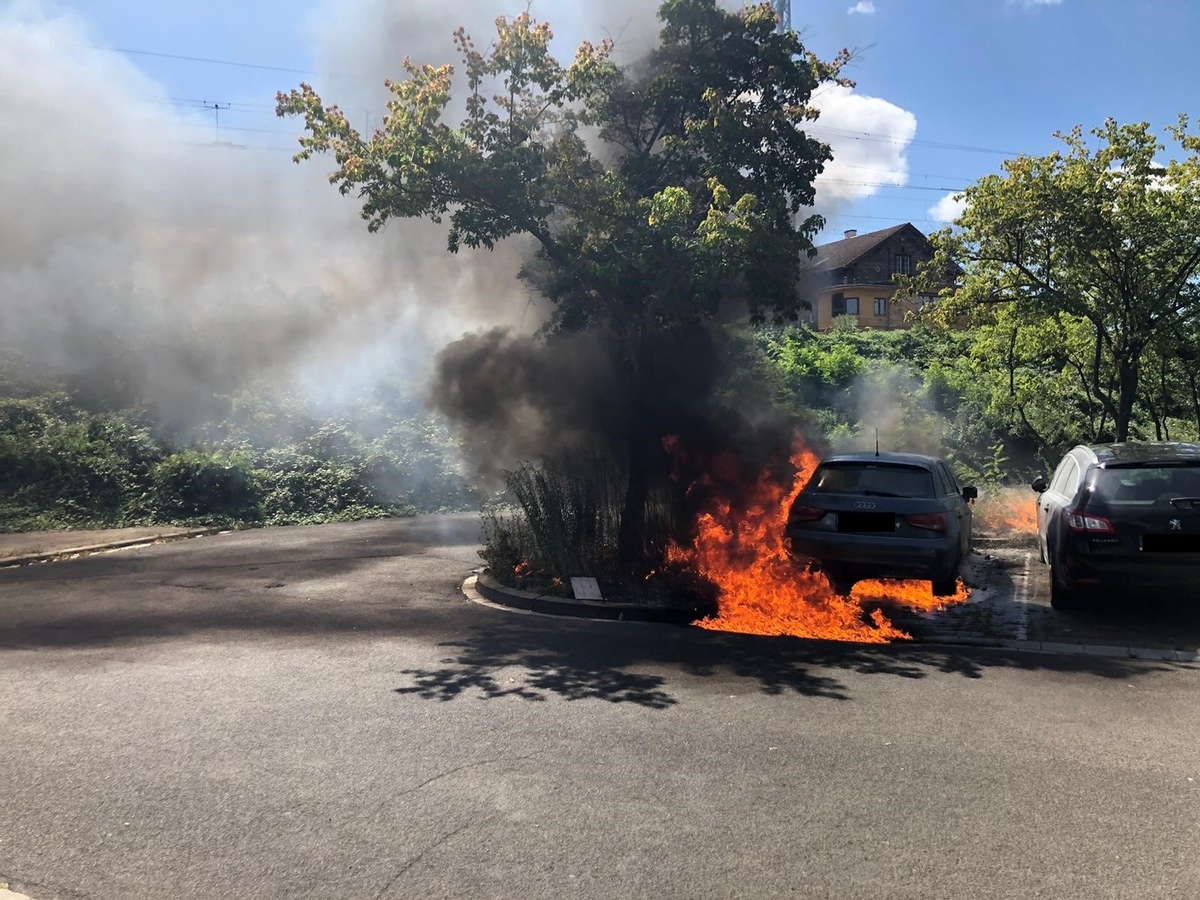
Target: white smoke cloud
(362, 42)
(178, 267)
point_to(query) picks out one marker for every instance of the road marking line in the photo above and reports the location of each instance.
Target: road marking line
(1023, 602)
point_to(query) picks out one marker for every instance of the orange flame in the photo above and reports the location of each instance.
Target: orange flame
(764, 590)
(1007, 509)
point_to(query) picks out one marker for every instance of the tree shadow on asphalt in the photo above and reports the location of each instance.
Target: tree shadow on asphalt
(488, 653)
(545, 659)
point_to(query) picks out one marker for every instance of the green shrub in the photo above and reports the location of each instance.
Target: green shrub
(193, 485)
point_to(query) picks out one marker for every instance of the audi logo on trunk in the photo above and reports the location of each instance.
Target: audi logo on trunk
(864, 505)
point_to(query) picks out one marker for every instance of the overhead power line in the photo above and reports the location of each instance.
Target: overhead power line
(233, 105)
(888, 139)
(203, 59)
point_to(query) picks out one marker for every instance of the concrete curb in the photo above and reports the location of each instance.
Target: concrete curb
(512, 598)
(12, 562)
(479, 588)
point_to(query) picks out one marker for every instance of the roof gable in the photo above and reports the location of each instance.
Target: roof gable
(839, 254)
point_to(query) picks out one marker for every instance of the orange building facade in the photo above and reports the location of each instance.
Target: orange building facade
(854, 278)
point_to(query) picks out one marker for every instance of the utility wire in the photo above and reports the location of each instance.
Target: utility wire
(249, 108)
(202, 59)
(885, 139)
(826, 129)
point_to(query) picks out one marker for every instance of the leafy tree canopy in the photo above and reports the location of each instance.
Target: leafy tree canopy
(650, 188)
(1102, 241)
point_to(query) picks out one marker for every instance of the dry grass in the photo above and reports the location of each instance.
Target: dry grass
(1006, 511)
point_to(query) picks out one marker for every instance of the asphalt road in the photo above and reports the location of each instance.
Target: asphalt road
(316, 712)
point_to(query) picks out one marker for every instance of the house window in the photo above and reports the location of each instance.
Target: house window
(924, 300)
(838, 305)
(880, 307)
(852, 306)
(903, 264)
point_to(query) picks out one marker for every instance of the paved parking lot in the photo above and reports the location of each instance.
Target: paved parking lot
(318, 712)
(1010, 605)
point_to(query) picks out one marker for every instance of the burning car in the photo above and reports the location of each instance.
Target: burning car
(1120, 515)
(883, 515)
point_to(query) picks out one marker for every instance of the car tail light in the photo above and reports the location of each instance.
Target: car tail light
(1087, 522)
(928, 521)
(806, 514)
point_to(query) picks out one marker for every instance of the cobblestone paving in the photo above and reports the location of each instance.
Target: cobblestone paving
(1010, 605)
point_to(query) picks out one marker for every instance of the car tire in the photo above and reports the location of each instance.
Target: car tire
(1062, 597)
(946, 588)
(840, 581)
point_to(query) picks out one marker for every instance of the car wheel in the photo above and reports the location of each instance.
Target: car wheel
(840, 581)
(1061, 597)
(946, 587)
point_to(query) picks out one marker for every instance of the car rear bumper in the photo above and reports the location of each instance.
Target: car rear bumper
(1150, 573)
(875, 556)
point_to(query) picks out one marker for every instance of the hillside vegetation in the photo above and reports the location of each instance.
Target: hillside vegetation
(998, 418)
(271, 461)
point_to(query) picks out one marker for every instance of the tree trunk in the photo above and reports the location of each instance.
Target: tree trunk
(1195, 399)
(1127, 385)
(631, 537)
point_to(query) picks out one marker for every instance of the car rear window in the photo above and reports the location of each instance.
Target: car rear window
(1146, 484)
(870, 478)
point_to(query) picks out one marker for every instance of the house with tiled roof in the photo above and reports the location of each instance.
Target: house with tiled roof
(854, 277)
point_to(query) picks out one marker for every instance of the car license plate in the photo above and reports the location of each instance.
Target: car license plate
(1171, 543)
(866, 522)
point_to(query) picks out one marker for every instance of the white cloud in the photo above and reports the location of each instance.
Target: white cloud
(1037, 4)
(862, 8)
(869, 137)
(949, 208)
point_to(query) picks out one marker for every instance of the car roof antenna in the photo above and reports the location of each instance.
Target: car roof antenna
(876, 442)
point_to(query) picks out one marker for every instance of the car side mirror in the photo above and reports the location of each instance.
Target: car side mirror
(1039, 484)
(970, 493)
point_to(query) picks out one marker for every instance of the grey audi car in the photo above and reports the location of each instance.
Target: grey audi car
(1121, 516)
(883, 515)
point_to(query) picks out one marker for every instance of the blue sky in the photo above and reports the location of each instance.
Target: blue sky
(996, 75)
(978, 76)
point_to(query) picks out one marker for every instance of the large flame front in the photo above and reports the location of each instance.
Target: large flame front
(763, 590)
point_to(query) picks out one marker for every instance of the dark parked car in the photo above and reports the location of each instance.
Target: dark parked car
(1121, 516)
(883, 515)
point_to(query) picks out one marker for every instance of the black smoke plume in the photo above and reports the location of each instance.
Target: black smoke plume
(663, 411)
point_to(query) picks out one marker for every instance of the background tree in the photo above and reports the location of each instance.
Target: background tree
(1099, 244)
(654, 191)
